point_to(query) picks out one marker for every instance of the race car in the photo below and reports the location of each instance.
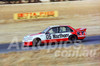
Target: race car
(55, 33)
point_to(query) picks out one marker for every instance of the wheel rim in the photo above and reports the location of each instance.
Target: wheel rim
(73, 38)
(36, 42)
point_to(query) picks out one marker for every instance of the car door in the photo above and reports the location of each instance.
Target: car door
(64, 32)
(57, 34)
(50, 34)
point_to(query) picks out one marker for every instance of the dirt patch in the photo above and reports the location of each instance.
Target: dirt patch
(64, 8)
(43, 57)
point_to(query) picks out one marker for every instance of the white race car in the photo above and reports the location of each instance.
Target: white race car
(55, 34)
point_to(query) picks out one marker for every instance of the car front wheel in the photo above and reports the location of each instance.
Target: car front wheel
(36, 42)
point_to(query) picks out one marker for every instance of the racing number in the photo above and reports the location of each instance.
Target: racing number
(48, 36)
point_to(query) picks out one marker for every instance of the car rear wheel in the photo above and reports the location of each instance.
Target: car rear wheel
(73, 38)
(36, 42)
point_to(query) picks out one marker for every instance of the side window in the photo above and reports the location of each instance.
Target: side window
(65, 29)
(53, 30)
(68, 29)
(62, 29)
(50, 31)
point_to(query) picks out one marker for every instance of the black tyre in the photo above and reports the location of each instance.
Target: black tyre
(73, 38)
(36, 42)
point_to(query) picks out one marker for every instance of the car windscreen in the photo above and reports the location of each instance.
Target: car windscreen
(44, 31)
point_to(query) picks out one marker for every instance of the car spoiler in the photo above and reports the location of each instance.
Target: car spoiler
(81, 29)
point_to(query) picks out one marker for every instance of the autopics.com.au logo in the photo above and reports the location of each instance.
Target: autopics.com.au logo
(60, 50)
(75, 51)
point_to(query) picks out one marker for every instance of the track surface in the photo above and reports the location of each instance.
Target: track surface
(5, 48)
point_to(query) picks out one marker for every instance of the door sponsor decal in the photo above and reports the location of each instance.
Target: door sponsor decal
(49, 36)
(60, 36)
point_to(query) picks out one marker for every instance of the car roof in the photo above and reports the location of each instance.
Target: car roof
(58, 26)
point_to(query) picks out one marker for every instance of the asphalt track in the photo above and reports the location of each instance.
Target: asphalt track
(18, 46)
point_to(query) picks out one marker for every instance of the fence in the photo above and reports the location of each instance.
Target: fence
(29, 1)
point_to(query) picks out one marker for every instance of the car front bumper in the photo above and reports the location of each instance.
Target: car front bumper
(28, 44)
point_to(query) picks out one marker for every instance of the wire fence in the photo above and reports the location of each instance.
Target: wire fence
(29, 1)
